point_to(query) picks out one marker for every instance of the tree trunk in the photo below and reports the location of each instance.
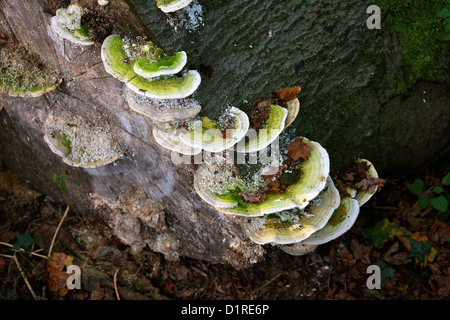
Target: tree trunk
(244, 50)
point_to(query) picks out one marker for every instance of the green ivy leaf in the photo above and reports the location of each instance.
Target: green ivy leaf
(416, 187)
(438, 190)
(444, 13)
(424, 203)
(382, 232)
(419, 249)
(386, 270)
(446, 180)
(25, 241)
(440, 203)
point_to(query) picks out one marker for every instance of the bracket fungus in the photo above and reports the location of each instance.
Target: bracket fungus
(159, 64)
(162, 111)
(293, 204)
(273, 127)
(340, 222)
(216, 136)
(293, 107)
(80, 143)
(22, 74)
(119, 58)
(362, 196)
(304, 181)
(67, 24)
(173, 142)
(295, 225)
(172, 5)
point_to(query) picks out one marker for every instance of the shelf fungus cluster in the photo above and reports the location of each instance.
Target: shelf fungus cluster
(172, 5)
(289, 200)
(69, 25)
(155, 86)
(80, 143)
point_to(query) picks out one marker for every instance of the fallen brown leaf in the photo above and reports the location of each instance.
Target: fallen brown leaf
(98, 293)
(288, 94)
(360, 251)
(57, 276)
(347, 257)
(298, 149)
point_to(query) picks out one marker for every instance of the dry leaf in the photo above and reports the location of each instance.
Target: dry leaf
(253, 197)
(57, 276)
(346, 257)
(360, 251)
(288, 94)
(398, 258)
(297, 149)
(370, 184)
(98, 293)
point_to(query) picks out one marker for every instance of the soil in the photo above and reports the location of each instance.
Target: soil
(336, 270)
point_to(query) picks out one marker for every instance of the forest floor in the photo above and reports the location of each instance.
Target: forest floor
(406, 237)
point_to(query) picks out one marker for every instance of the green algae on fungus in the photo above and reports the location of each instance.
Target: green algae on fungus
(119, 58)
(67, 24)
(80, 143)
(219, 176)
(211, 136)
(172, 5)
(23, 74)
(160, 66)
(167, 87)
(295, 225)
(227, 198)
(273, 127)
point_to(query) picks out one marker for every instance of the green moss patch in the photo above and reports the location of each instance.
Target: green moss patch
(420, 30)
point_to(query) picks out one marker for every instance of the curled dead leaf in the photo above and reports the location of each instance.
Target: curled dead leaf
(298, 149)
(57, 276)
(288, 94)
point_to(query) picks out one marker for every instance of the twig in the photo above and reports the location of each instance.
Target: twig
(21, 250)
(268, 282)
(25, 277)
(115, 284)
(199, 271)
(57, 230)
(70, 205)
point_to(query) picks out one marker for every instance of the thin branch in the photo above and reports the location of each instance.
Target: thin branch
(21, 250)
(57, 230)
(115, 284)
(70, 205)
(25, 277)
